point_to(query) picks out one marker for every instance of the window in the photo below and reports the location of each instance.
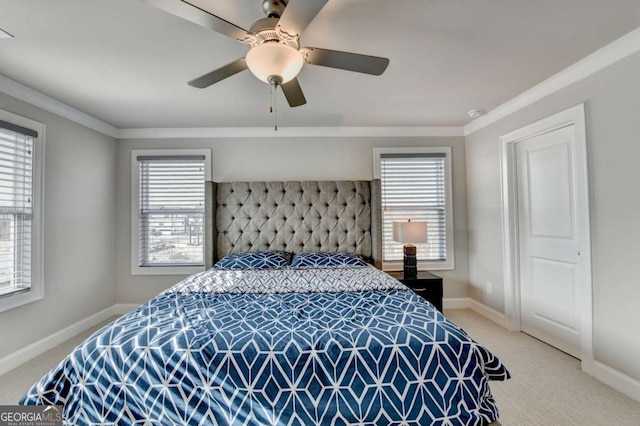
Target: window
(21, 150)
(169, 211)
(416, 185)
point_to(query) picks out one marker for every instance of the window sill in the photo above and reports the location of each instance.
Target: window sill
(165, 270)
(20, 299)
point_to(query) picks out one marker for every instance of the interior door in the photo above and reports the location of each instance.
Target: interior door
(549, 257)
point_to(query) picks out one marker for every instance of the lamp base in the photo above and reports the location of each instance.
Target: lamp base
(410, 262)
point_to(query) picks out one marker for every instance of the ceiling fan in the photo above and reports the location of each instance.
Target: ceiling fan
(275, 55)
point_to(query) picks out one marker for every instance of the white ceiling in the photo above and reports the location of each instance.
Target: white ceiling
(127, 63)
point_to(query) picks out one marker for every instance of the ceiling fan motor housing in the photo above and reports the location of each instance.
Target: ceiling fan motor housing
(274, 8)
(265, 31)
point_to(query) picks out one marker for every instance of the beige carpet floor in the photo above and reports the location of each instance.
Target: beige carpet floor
(547, 387)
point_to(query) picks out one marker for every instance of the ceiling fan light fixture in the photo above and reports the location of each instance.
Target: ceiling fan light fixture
(274, 61)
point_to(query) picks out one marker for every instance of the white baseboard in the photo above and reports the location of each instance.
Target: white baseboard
(474, 305)
(489, 313)
(456, 303)
(124, 308)
(617, 380)
(31, 351)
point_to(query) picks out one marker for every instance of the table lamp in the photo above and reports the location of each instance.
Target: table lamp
(410, 233)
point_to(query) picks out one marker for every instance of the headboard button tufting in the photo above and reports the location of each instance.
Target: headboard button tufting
(319, 216)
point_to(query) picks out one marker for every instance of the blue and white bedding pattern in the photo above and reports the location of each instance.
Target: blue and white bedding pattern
(323, 259)
(290, 280)
(240, 347)
(263, 259)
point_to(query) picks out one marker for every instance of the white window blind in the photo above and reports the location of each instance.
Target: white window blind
(16, 210)
(414, 187)
(171, 210)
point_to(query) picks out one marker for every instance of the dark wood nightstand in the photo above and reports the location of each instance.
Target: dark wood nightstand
(427, 285)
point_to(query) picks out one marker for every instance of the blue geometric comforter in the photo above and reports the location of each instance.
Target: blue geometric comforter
(277, 347)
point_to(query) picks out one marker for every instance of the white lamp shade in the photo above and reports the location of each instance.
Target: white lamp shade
(410, 232)
(274, 59)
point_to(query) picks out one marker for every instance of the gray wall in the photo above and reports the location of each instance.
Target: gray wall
(79, 223)
(612, 98)
(283, 159)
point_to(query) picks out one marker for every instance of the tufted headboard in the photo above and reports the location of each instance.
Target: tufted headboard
(293, 216)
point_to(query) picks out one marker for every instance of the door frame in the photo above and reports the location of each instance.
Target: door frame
(573, 116)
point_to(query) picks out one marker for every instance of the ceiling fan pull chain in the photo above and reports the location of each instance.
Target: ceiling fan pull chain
(275, 103)
(271, 98)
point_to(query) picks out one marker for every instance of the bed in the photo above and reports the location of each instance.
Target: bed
(293, 325)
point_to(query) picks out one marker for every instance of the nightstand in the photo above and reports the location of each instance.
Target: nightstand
(427, 285)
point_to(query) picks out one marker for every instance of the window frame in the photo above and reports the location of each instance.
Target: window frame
(136, 269)
(36, 290)
(448, 264)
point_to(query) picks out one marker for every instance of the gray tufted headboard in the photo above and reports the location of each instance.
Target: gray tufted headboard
(293, 216)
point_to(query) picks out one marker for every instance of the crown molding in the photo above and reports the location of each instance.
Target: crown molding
(617, 50)
(47, 103)
(287, 132)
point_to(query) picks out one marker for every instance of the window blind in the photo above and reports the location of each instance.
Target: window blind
(16, 210)
(414, 187)
(171, 210)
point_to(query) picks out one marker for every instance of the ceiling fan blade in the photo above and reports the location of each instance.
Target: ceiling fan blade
(190, 12)
(293, 92)
(219, 74)
(344, 60)
(297, 15)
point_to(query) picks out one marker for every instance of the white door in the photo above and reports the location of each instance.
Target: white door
(548, 226)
